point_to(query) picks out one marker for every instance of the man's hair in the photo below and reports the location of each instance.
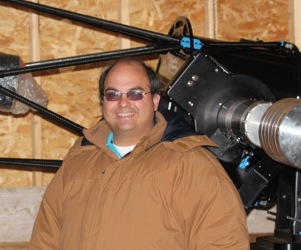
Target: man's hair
(153, 77)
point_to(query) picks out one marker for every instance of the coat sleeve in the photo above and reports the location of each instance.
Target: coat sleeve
(46, 231)
(208, 206)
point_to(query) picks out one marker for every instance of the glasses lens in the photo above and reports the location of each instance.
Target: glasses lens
(112, 95)
(134, 95)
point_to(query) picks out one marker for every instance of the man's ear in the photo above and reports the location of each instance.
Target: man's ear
(156, 100)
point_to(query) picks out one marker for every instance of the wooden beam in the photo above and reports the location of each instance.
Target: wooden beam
(211, 18)
(36, 127)
(125, 19)
(294, 22)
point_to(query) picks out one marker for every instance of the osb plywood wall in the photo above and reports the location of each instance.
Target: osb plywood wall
(72, 91)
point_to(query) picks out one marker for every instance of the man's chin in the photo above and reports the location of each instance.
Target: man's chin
(125, 128)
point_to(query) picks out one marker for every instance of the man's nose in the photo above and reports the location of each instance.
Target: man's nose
(124, 101)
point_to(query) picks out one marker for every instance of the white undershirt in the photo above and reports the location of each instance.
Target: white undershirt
(124, 150)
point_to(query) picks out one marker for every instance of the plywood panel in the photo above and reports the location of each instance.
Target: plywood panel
(14, 130)
(253, 19)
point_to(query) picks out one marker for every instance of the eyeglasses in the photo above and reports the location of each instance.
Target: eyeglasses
(133, 95)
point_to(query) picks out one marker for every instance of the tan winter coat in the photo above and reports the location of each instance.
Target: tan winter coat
(162, 196)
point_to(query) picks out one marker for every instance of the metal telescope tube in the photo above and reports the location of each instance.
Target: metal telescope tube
(275, 127)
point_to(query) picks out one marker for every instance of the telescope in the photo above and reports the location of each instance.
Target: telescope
(246, 98)
(244, 95)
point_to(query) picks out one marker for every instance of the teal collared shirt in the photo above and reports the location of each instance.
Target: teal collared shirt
(111, 146)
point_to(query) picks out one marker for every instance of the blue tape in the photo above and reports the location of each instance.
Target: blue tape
(197, 44)
(244, 162)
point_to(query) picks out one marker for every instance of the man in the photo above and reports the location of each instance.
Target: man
(135, 182)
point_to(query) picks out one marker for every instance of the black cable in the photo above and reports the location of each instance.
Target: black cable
(141, 34)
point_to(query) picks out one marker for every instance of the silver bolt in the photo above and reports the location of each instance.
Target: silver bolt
(190, 83)
(195, 78)
(190, 103)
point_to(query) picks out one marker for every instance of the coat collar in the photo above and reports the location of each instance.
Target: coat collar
(175, 130)
(98, 134)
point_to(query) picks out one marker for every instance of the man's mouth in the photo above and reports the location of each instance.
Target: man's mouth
(127, 114)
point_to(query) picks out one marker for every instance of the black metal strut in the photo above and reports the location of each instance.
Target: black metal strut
(141, 34)
(33, 163)
(90, 58)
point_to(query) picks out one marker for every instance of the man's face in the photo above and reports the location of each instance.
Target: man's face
(129, 120)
